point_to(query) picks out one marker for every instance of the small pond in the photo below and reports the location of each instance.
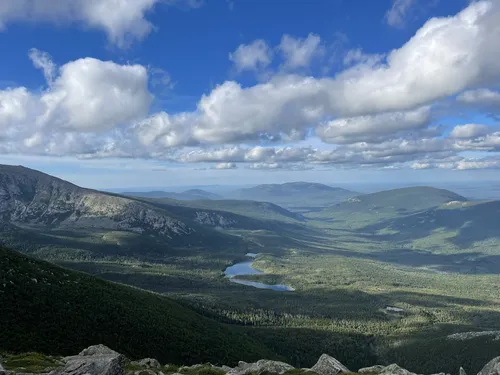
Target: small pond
(245, 268)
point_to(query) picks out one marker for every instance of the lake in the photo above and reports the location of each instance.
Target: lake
(245, 268)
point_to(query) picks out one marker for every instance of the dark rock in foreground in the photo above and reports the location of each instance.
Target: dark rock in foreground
(95, 360)
(491, 368)
(328, 365)
(259, 367)
(101, 360)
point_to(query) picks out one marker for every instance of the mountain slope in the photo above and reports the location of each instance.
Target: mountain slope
(404, 199)
(31, 197)
(40, 206)
(466, 223)
(54, 310)
(191, 194)
(400, 201)
(297, 196)
(254, 209)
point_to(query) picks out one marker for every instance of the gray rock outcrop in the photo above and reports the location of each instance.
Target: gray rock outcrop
(2, 370)
(98, 350)
(394, 369)
(371, 370)
(264, 365)
(327, 365)
(491, 368)
(95, 360)
(147, 362)
(462, 371)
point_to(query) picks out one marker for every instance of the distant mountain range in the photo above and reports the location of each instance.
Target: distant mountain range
(42, 213)
(188, 195)
(297, 196)
(403, 200)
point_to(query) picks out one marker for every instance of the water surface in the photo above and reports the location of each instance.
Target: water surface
(245, 268)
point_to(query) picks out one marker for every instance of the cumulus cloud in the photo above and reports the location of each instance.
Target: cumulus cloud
(85, 95)
(299, 52)
(444, 58)
(91, 94)
(380, 111)
(396, 16)
(123, 21)
(482, 99)
(461, 164)
(254, 56)
(470, 131)
(369, 128)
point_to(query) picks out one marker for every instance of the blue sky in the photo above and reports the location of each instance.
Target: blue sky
(115, 93)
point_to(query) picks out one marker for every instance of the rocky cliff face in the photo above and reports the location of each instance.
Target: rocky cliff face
(101, 360)
(29, 197)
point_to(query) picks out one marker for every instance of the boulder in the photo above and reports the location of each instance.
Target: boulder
(264, 365)
(328, 365)
(371, 370)
(462, 371)
(147, 363)
(98, 350)
(95, 360)
(491, 368)
(2, 370)
(395, 370)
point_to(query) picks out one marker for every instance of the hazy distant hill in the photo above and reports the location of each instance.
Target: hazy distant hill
(191, 194)
(254, 209)
(53, 310)
(297, 196)
(401, 200)
(377, 207)
(466, 222)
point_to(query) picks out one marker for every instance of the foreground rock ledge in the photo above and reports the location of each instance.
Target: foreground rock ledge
(101, 360)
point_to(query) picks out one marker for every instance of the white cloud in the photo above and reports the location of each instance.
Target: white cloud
(356, 56)
(254, 56)
(42, 60)
(93, 95)
(380, 111)
(16, 104)
(470, 131)
(86, 95)
(298, 52)
(445, 57)
(123, 21)
(396, 16)
(225, 166)
(368, 128)
(265, 166)
(482, 99)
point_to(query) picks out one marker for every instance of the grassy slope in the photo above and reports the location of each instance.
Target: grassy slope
(366, 209)
(49, 309)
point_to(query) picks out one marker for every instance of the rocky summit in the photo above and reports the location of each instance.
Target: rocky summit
(101, 360)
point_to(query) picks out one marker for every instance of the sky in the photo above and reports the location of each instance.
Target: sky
(145, 93)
